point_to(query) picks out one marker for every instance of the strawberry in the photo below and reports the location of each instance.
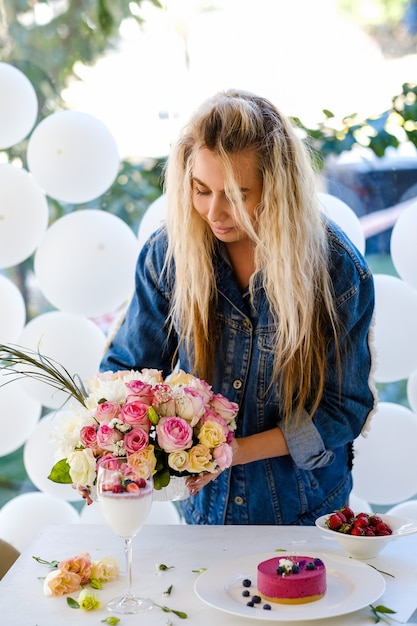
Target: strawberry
(117, 488)
(348, 513)
(334, 522)
(132, 487)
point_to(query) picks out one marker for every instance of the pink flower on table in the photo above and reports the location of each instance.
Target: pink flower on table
(190, 405)
(174, 433)
(106, 411)
(139, 390)
(107, 436)
(223, 456)
(224, 407)
(88, 436)
(80, 564)
(136, 440)
(135, 414)
(60, 582)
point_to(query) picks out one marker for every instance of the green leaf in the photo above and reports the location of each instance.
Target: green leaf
(153, 416)
(60, 473)
(163, 568)
(161, 479)
(167, 592)
(166, 609)
(96, 584)
(73, 604)
(383, 609)
(110, 620)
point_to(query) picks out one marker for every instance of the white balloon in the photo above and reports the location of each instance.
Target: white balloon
(19, 413)
(18, 106)
(23, 215)
(403, 245)
(39, 458)
(345, 217)
(385, 463)
(152, 219)
(412, 390)
(22, 517)
(395, 328)
(72, 341)
(86, 263)
(12, 311)
(73, 156)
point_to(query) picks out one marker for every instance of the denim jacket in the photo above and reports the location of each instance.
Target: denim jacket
(316, 476)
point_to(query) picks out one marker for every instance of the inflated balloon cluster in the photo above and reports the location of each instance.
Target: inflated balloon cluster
(83, 266)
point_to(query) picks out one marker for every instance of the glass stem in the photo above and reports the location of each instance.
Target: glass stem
(128, 555)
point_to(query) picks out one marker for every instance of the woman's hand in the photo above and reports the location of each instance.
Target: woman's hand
(195, 483)
(85, 492)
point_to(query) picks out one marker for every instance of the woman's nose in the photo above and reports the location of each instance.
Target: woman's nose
(218, 208)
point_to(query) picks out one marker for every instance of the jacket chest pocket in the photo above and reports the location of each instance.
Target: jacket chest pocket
(267, 391)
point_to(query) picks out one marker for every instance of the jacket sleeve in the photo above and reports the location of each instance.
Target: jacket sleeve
(348, 399)
(143, 339)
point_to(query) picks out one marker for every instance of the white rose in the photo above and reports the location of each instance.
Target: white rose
(82, 466)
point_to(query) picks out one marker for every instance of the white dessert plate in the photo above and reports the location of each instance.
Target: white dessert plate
(351, 585)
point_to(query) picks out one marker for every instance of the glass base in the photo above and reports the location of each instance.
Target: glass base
(129, 604)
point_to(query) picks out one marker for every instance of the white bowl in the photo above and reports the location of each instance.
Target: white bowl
(369, 547)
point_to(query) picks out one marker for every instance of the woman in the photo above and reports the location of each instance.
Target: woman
(250, 288)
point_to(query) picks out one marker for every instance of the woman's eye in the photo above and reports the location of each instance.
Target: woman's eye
(199, 192)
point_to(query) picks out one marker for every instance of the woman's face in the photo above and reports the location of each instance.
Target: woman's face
(209, 197)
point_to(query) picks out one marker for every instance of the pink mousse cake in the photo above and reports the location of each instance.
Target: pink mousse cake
(292, 580)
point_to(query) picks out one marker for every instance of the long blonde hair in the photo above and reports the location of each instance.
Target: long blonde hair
(291, 250)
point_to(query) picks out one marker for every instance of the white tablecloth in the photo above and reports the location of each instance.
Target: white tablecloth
(186, 548)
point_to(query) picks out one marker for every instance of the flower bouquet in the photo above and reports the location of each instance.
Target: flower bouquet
(175, 427)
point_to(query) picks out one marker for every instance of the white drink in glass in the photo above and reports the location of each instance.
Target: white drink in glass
(126, 512)
(125, 499)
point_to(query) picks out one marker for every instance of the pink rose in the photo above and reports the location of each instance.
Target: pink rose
(106, 411)
(80, 564)
(224, 407)
(140, 391)
(163, 401)
(174, 433)
(106, 436)
(109, 461)
(135, 414)
(190, 405)
(88, 436)
(136, 440)
(203, 388)
(223, 456)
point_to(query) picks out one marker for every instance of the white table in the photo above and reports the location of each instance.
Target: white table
(186, 548)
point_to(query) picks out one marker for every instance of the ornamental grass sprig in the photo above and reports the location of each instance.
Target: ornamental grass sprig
(25, 363)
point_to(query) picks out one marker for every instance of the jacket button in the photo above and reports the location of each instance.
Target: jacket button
(237, 384)
(239, 500)
(246, 323)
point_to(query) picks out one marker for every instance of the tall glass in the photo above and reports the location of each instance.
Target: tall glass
(125, 500)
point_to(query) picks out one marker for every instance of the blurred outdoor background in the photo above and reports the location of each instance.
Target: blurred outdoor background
(345, 70)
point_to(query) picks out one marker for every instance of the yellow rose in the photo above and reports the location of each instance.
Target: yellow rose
(211, 434)
(143, 462)
(88, 601)
(179, 378)
(200, 459)
(105, 570)
(179, 460)
(82, 466)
